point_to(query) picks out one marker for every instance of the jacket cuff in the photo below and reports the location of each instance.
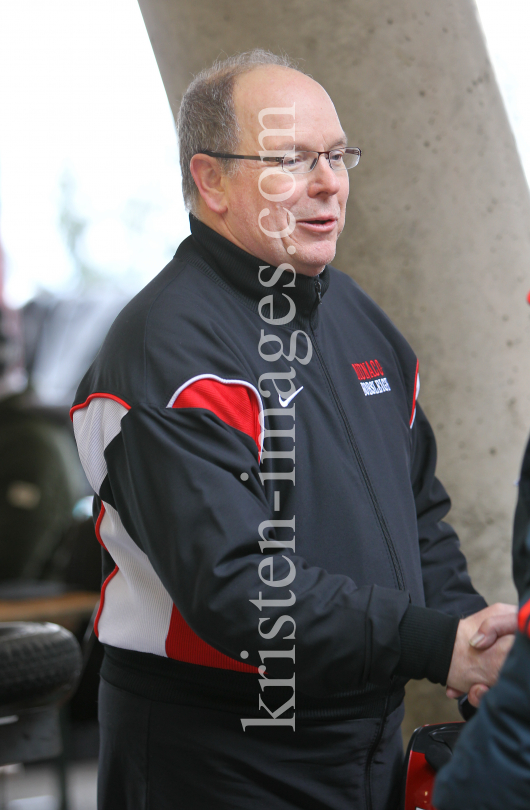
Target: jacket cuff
(427, 639)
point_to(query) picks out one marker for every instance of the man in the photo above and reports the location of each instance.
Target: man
(265, 487)
(491, 764)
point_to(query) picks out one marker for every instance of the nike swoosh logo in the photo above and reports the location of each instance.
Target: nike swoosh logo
(284, 402)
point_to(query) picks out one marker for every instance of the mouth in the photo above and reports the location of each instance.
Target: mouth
(323, 224)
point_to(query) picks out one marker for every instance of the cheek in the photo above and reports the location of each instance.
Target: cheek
(245, 209)
(244, 196)
(276, 186)
(344, 192)
(293, 204)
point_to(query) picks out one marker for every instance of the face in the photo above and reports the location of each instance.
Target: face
(307, 211)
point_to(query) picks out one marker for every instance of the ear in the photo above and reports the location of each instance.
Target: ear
(206, 171)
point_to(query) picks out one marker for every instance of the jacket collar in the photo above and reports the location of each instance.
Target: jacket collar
(240, 270)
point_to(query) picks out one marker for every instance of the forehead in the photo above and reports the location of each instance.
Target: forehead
(272, 86)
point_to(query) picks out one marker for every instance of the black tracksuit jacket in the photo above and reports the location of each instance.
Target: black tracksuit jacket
(199, 511)
(490, 768)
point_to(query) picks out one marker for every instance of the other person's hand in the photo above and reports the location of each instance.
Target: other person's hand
(502, 623)
(482, 643)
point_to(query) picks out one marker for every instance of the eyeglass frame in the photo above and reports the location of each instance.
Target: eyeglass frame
(227, 156)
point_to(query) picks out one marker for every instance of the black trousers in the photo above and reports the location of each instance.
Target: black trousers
(162, 756)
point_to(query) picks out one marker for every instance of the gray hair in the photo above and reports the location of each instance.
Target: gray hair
(207, 118)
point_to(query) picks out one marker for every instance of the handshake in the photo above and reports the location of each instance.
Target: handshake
(482, 643)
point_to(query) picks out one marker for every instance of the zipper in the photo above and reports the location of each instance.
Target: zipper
(356, 452)
(318, 288)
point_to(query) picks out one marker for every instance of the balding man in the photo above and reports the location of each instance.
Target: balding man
(275, 565)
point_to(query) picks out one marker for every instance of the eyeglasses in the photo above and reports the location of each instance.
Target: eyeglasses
(297, 162)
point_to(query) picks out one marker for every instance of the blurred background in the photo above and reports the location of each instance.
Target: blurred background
(91, 209)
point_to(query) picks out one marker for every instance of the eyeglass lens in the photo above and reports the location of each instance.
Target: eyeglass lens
(339, 159)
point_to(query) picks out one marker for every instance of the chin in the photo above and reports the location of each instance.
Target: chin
(310, 272)
(312, 265)
(319, 256)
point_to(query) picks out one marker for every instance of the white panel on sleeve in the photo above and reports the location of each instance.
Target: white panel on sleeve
(95, 426)
(137, 608)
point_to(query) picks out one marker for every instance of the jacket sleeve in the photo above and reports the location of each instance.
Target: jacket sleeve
(446, 581)
(175, 478)
(490, 767)
(521, 533)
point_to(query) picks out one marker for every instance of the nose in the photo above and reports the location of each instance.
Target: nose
(323, 179)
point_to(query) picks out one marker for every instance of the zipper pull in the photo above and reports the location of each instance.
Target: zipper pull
(318, 288)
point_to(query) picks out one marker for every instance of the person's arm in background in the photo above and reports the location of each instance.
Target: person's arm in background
(490, 767)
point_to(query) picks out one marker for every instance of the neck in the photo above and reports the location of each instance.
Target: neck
(220, 224)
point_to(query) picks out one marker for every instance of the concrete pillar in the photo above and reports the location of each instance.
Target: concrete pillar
(438, 225)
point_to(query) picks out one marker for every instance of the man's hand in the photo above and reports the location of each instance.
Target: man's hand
(482, 643)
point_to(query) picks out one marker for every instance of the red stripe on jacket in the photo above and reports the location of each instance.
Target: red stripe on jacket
(185, 645)
(415, 394)
(99, 395)
(102, 600)
(97, 527)
(524, 616)
(234, 403)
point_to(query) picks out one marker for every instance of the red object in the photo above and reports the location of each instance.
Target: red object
(102, 600)
(368, 370)
(433, 743)
(99, 395)
(233, 402)
(185, 645)
(528, 298)
(523, 619)
(420, 783)
(98, 526)
(415, 394)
